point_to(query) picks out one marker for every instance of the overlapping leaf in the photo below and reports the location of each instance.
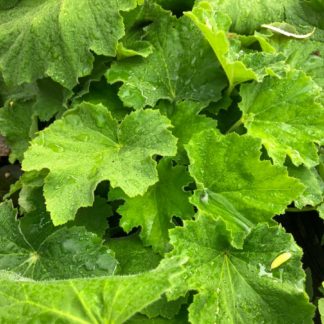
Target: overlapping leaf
(88, 146)
(54, 38)
(187, 121)
(154, 210)
(284, 114)
(238, 286)
(162, 75)
(93, 300)
(314, 193)
(33, 248)
(235, 185)
(214, 26)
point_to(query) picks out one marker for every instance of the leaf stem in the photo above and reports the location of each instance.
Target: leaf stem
(235, 126)
(296, 210)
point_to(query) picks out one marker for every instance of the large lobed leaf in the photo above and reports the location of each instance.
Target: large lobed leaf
(238, 286)
(34, 248)
(232, 182)
(162, 75)
(88, 146)
(55, 38)
(154, 210)
(93, 300)
(286, 116)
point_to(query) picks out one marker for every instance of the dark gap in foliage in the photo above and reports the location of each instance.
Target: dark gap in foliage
(114, 229)
(177, 7)
(227, 118)
(43, 124)
(264, 154)
(9, 174)
(190, 187)
(307, 229)
(102, 189)
(177, 221)
(158, 158)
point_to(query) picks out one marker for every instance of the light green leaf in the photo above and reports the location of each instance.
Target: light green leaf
(321, 308)
(31, 200)
(214, 26)
(238, 286)
(88, 146)
(33, 248)
(314, 193)
(17, 125)
(154, 210)
(303, 55)
(249, 16)
(93, 300)
(162, 75)
(284, 114)
(320, 210)
(52, 38)
(233, 184)
(186, 118)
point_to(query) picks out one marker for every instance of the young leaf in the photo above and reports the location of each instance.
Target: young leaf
(33, 248)
(154, 210)
(197, 76)
(214, 26)
(88, 146)
(53, 39)
(284, 114)
(238, 286)
(93, 300)
(235, 185)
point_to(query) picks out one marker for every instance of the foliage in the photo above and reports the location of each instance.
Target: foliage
(151, 147)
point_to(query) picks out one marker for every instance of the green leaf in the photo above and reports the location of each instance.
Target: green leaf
(321, 307)
(142, 319)
(164, 308)
(94, 218)
(238, 286)
(31, 200)
(88, 146)
(303, 55)
(233, 184)
(17, 125)
(51, 99)
(48, 38)
(103, 93)
(249, 16)
(162, 75)
(284, 114)
(314, 193)
(132, 256)
(32, 247)
(154, 210)
(214, 26)
(187, 121)
(93, 300)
